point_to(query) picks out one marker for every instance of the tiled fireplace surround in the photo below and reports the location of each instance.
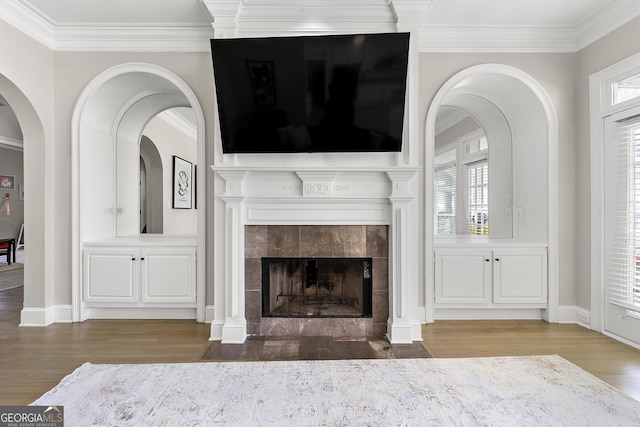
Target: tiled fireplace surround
(321, 241)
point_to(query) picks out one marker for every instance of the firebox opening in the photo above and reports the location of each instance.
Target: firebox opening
(316, 287)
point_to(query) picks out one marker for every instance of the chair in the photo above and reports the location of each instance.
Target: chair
(7, 249)
(20, 241)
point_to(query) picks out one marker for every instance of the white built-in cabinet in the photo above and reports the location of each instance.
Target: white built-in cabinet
(141, 274)
(486, 276)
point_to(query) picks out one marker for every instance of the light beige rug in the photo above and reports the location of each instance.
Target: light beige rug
(509, 391)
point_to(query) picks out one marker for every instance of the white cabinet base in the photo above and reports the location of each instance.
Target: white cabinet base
(483, 281)
(143, 279)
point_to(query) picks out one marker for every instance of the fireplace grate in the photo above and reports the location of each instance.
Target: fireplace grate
(316, 287)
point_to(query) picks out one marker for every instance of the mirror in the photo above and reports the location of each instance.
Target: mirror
(473, 183)
(145, 175)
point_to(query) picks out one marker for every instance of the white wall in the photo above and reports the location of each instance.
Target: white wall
(170, 142)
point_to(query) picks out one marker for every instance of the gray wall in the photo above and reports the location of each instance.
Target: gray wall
(556, 73)
(607, 51)
(11, 164)
(52, 83)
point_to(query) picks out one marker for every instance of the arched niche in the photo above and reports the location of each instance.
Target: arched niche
(38, 286)
(490, 119)
(107, 122)
(532, 124)
(151, 215)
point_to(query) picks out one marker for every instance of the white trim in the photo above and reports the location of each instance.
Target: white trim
(141, 313)
(605, 20)
(571, 314)
(79, 313)
(41, 317)
(22, 18)
(551, 314)
(487, 314)
(601, 106)
(11, 144)
(208, 317)
(330, 17)
(179, 123)
(132, 39)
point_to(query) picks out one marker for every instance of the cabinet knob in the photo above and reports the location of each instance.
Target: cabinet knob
(497, 259)
(142, 259)
(133, 259)
(487, 260)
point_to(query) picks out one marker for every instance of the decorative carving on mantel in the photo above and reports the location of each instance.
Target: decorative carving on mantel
(316, 189)
(317, 183)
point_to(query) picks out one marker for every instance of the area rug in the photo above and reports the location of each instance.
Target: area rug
(507, 391)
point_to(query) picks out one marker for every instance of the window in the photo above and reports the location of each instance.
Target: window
(626, 89)
(461, 180)
(624, 260)
(478, 198)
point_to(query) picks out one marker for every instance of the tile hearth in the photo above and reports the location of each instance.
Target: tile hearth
(261, 348)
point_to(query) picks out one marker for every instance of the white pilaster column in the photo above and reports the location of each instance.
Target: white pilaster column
(234, 329)
(403, 247)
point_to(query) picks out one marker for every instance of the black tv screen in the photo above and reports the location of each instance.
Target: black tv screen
(337, 93)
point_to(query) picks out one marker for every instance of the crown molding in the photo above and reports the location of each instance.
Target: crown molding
(180, 123)
(27, 21)
(288, 17)
(605, 20)
(11, 144)
(449, 119)
(496, 39)
(133, 39)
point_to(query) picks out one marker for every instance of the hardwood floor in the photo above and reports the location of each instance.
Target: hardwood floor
(611, 361)
(33, 360)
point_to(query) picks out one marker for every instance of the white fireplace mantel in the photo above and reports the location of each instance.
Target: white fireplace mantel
(316, 197)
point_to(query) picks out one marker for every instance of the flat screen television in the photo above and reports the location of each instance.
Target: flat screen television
(335, 93)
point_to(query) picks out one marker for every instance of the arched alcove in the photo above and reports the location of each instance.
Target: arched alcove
(109, 117)
(152, 208)
(522, 111)
(38, 286)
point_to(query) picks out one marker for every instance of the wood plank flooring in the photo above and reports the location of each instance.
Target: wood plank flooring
(33, 360)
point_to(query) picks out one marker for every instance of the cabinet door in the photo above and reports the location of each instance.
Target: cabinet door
(169, 275)
(520, 276)
(111, 275)
(462, 276)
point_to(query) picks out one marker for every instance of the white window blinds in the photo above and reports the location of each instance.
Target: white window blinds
(445, 200)
(623, 274)
(478, 200)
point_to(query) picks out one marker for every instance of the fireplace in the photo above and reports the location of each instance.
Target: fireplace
(333, 280)
(316, 287)
(270, 212)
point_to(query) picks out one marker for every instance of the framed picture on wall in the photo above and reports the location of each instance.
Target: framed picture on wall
(7, 182)
(182, 183)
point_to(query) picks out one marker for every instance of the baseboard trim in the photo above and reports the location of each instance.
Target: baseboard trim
(40, 317)
(574, 314)
(487, 314)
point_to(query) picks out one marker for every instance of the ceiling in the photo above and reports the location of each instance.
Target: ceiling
(444, 25)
